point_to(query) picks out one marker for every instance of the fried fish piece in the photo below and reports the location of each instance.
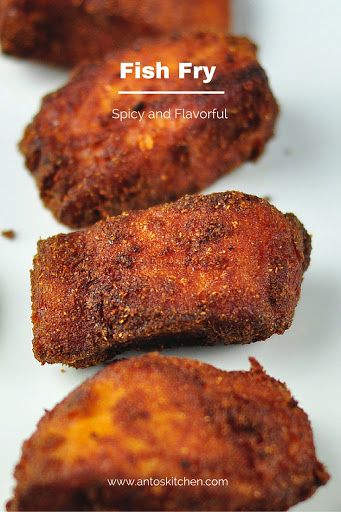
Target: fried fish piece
(65, 32)
(88, 165)
(223, 268)
(158, 418)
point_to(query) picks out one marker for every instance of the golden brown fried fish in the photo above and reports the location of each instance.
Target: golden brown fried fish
(161, 418)
(88, 165)
(224, 268)
(68, 31)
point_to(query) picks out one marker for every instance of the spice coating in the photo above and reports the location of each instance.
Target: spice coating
(223, 268)
(157, 417)
(68, 31)
(89, 166)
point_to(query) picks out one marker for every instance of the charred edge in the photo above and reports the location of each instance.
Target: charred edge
(306, 239)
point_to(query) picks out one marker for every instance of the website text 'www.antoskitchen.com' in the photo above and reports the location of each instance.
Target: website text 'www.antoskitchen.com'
(167, 481)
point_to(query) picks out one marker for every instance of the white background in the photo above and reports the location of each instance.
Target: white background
(300, 47)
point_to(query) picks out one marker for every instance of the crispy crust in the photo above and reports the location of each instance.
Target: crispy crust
(65, 32)
(224, 268)
(88, 166)
(158, 417)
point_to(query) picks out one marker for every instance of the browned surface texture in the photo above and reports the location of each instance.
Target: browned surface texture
(68, 31)
(88, 166)
(225, 268)
(158, 417)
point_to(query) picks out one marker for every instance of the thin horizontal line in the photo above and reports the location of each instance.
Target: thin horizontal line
(171, 92)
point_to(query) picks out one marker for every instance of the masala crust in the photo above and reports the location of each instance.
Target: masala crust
(222, 268)
(88, 166)
(65, 32)
(165, 417)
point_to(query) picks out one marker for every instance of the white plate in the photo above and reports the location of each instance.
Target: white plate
(299, 46)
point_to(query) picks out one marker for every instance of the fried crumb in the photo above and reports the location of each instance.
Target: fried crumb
(10, 234)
